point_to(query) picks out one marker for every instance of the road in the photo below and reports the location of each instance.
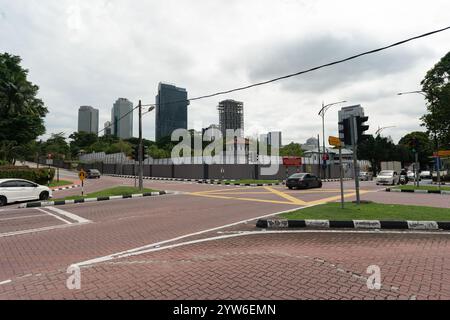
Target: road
(202, 243)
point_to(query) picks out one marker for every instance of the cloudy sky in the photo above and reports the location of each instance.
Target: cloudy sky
(91, 52)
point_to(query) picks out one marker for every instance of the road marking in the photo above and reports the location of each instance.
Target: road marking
(69, 215)
(23, 217)
(153, 245)
(54, 216)
(21, 232)
(243, 199)
(5, 282)
(331, 199)
(286, 196)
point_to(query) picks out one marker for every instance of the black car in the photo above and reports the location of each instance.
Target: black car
(93, 174)
(303, 180)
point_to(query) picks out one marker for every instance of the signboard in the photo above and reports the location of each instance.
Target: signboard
(334, 141)
(442, 153)
(49, 162)
(82, 175)
(292, 161)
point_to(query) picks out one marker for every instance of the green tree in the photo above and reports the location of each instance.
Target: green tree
(120, 146)
(22, 113)
(57, 146)
(375, 150)
(436, 86)
(424, 148)
(292, 149)
(81, 141)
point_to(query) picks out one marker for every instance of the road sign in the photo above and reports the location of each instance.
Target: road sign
(49, 162)
(442, 153)
(334, 141)
(82, 175)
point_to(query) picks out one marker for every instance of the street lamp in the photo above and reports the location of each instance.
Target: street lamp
(382, 128)
(435, 137)
(322, 114)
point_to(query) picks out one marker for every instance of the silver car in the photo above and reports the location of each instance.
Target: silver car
(390, 177)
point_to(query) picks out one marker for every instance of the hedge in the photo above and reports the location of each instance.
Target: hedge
(36, 175)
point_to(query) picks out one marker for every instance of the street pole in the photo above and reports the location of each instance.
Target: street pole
(318, 144)
(438, 164)
(417, 167)
(341, 178)
(353, 127)
(140, 153)
(323, 137)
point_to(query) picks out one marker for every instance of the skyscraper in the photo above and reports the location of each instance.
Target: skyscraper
(122, 118)
(87, 119)
(231, 116)
(274, 138)
(171, 110)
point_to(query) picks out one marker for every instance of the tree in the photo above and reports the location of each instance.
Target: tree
(57, 146)
(424, 148)
(81, 141)
(22, 113)
(121, 146)
(292, 149)
(375, 150)
(436, 86)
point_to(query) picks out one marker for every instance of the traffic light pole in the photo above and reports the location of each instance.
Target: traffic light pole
(353, 130)
(140, 151)
(341, 177)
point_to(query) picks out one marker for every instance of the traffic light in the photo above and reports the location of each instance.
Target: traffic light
(135, 153)
(361, 127)
(345, 132)
(414, 144)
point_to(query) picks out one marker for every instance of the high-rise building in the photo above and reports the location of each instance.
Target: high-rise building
(88, 119)
(122, 118)
(171, 110)
(274, 138)
(108, 128)
(231, 116)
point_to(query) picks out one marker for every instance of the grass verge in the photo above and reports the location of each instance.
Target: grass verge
(61, 183)
(116, 191)
(370, 211)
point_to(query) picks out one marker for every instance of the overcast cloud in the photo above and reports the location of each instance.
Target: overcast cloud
(92, 52)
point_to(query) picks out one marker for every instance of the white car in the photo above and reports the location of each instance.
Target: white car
(425, 175)
(16, 190)
(388, 177)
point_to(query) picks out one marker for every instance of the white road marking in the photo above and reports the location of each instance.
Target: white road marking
(21, 232)
(5, 282)
(23, 217)
(152, 245)
(54, 216)
(69, 215)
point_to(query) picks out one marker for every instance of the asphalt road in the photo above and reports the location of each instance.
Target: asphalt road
(115, 242)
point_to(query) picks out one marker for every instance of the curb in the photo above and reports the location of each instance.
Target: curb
(154, 178)
(218, 182)
(353, 224)
(445, 192)
(67, 188)
(64, 202)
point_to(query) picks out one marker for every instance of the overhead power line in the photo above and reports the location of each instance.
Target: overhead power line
(300, 72)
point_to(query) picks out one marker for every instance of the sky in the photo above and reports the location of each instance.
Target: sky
(83, 52)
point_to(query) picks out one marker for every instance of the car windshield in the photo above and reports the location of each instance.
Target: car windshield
(386, 173)
(94, 171)
(298, 175)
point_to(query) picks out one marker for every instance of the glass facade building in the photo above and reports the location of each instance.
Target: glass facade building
(88, 119)
(171, 110)
(122, 119)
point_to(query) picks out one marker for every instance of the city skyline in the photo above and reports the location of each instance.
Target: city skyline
(257, 49)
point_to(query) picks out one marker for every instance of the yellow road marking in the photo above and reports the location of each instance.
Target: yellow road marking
(243, 199)
(285, 195)
(348, 195)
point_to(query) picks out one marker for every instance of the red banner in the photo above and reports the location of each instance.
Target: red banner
(292, 161)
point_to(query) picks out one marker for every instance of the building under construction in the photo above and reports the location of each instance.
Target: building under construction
(231, 116)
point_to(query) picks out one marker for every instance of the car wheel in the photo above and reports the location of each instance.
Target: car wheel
(44, 195)
(290, 188)
(320, 184)
(3, 201)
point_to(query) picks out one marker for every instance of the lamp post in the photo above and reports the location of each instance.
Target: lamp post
(322, 114)
(436, 139)
(141, 146)
(380, 129)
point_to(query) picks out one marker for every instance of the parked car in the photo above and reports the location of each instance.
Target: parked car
(93, 174)
(425, 175)
(388, 177)
(16, 190)
(303, 180)
(365, 176)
